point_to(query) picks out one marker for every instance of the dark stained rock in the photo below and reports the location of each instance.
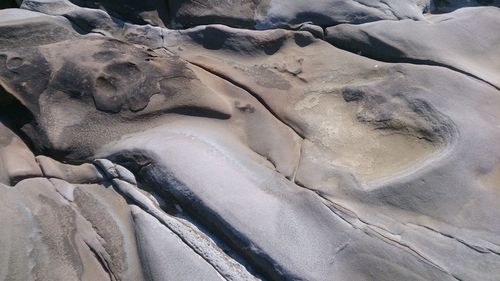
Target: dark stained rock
(154, 12)
(265, 14)
(9, 4)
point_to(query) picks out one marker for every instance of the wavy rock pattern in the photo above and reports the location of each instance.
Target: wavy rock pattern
(249, 140)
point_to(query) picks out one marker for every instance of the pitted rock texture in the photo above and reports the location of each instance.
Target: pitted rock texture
(249, 140)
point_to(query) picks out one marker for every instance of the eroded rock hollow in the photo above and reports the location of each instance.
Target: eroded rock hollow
(314, 140)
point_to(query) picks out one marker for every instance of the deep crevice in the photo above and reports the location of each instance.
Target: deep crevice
(6, 4)
(193, 111)
(14, 115)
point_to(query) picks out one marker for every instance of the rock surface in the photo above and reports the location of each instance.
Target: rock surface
(249, 140)
(438, 41)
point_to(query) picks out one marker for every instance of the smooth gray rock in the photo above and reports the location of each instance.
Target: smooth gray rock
(331, 95)
(135, 152)
(446, 6)
(465, 40)
(282, 227)
(53, 230)
(82, 174)
(164, 255)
